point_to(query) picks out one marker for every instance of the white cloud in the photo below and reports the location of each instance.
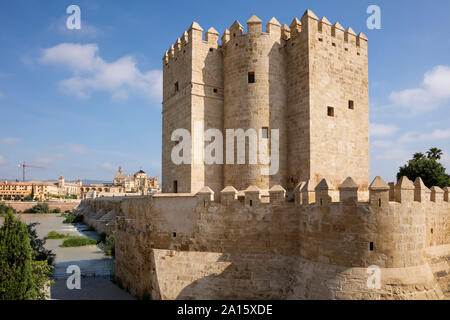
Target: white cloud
(45, 159)
(382, 129)
(10, 140)
(398, 155)
(382, 143)
(77, 148)
(446, 160)
(2, 160)
(91, 73)
(108, 166)
(437, 134)
(433, 91)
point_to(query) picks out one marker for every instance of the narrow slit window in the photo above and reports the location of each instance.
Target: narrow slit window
(371, 246)
(320, 39)
(174, 234)
(176, 86)
(379, 202)
(251, 77)
(265, 133)
(175, 186)
(333, 44)
(215, 90)
(351, 104)
(330, 111)
(251, 203)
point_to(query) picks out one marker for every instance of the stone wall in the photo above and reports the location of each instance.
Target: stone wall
(188, 246)
(63, 206)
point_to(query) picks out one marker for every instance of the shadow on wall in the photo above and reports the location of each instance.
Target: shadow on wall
(207, 275)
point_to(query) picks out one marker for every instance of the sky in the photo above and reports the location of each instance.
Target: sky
(79, 103)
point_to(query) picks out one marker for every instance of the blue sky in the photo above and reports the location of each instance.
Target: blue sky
(82, 102)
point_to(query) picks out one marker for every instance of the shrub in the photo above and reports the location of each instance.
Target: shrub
(57, 210)
(5, 209)
(73, 218)
(39, 208)
(78, 242)
(110, 245)
(55, 235)
(107, 243)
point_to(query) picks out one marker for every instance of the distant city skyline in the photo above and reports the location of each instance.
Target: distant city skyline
(83, 102)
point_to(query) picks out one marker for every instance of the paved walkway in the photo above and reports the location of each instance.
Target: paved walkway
(96, 268)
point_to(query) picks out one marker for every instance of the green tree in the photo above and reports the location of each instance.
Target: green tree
(16, 262)
(434, 153)
(21, 278)
(40, 253)
(427, 167)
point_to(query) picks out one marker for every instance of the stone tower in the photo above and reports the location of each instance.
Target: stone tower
(309, 82)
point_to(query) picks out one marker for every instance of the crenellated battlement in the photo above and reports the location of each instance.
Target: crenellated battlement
(306, 193)
(318, 29)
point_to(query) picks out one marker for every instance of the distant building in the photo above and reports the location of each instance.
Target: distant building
(123, 184)
(137, 183)
(39, 190)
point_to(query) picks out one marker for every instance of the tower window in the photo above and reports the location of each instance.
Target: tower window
(215, 90)
(265, 133)
(175, 186)
(174, 234)
(176, 86)
(211, 49)
(371, 246)
(333, 44)
(251, 203)
(251, 77)
(320, 39)
(351, 104)
(330, 111)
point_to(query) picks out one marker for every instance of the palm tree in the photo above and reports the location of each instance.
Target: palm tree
(434, 153)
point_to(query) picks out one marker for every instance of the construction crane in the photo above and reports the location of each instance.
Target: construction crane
(24, 166)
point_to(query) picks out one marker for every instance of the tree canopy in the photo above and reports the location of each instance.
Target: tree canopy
(21, 277)
(427, 167)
